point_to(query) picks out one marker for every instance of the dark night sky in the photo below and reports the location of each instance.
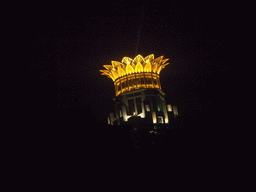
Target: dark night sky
(69, 42)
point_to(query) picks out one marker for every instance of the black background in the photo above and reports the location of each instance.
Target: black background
(65, 44)
(70, 41)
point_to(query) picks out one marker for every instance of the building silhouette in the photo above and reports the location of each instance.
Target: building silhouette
(139, 100)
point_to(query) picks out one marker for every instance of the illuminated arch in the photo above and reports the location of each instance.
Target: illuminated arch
(129, 69)
(138, 68)
(127, 60)
(120, 71)
(115, 74)
(147, 67)
(154, 67)
(138, 59)
(149, 58)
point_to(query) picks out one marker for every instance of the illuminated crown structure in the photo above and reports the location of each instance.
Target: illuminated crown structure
(137, 73)
(138, 90)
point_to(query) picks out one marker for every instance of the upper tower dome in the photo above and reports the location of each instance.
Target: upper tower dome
(137, 73)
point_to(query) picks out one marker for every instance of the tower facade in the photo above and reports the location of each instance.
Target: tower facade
(139, 97)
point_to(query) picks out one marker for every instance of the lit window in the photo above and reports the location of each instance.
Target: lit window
(154, 117)
(160, 120)
(159, 107)
(175, 111)
(166, 119)
(169, 107)
(147, 108)
(120, 113)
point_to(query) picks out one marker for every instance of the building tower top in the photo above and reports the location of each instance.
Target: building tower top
(131, 74)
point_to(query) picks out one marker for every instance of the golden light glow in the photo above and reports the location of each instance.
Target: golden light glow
(121, 72)
(169, 107)
(129, 69)
(138, 68)
(147, 67)
(154, 117)
(135, 73)
(136, 65)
